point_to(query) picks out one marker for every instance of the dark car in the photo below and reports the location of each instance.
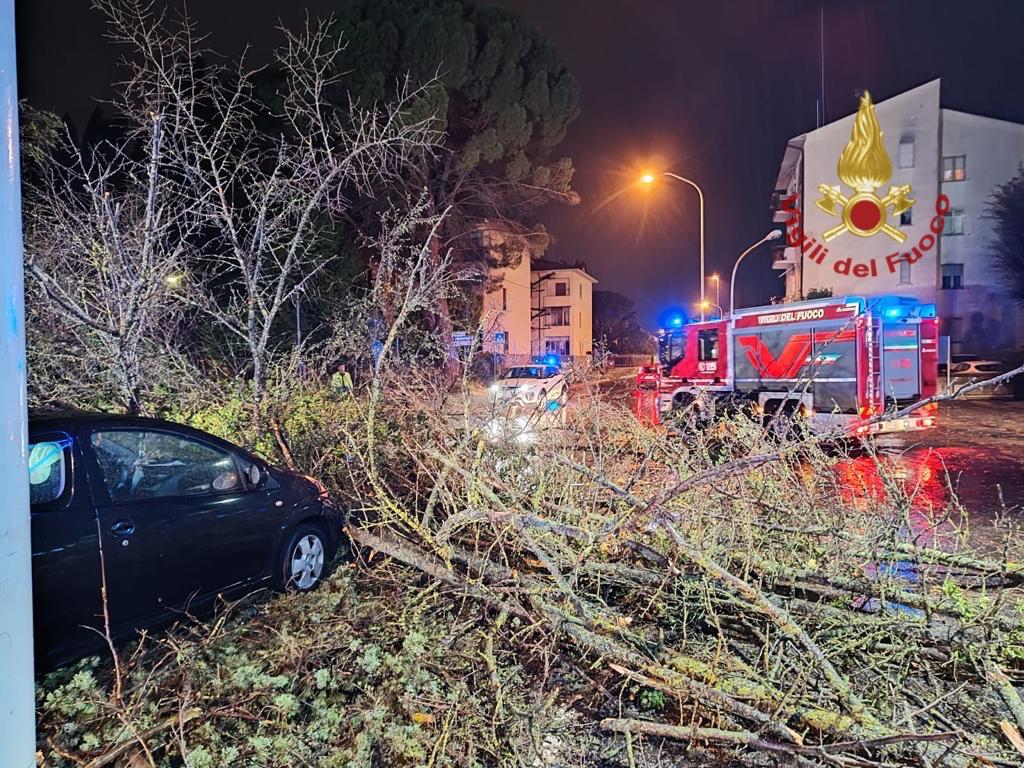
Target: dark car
(171, 516)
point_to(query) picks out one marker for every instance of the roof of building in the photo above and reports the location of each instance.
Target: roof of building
(550, 265)
(541, 264)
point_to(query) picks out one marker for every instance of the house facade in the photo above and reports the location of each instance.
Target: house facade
(561, 309)
(935, 242)
(535, 307)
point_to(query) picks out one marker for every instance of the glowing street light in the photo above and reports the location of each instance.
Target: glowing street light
(649, 178)
(707, 305)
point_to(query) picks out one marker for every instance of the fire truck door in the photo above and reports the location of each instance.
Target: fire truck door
(901, 357)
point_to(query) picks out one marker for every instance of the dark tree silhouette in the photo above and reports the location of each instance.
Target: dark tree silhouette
(616, 324)
(504, 99)
(1006, 208)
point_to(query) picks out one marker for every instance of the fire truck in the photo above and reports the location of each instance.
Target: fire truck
(839, 361)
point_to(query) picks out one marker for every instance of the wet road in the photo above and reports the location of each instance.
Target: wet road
(975, 456)
(976, 452)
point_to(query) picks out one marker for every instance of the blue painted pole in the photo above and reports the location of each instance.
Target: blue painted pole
(17, 695)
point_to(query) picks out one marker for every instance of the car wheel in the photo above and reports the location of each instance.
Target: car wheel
(303, 562)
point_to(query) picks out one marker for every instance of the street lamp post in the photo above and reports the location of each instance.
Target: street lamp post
(649, 179)
(775, 234)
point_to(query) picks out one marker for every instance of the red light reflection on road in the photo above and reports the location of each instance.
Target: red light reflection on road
(921, 476)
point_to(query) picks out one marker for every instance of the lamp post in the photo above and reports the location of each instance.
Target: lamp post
(775, 234)
(17, 687)
(648, 178)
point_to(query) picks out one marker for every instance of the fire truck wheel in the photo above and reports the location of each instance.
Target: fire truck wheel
(681, 400)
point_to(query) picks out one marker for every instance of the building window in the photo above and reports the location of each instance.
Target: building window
(954, 168)
(561, 289)
(904, 272)
(907, 152)
(907, 217)
(581, 290)
(954, 222)
(558, 316)
(952, 276)
(504, 299)
(557, 345)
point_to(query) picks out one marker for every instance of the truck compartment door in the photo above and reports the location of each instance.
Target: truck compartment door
(901, 362)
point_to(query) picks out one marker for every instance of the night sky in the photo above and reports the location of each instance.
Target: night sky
(711, 90)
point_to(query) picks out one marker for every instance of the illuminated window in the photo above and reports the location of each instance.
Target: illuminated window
(954, 222)
(558, 316)
(954, 168)
(952, 276)
(907, 152)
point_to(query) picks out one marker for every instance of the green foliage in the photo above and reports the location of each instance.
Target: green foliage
(506, 99)
(651, 700)
(41, 133)
(344, 676)
(818, 293)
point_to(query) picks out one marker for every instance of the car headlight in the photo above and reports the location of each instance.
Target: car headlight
(524, 431)
(494, 388)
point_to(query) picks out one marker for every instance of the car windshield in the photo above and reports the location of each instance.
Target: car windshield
(526, 372)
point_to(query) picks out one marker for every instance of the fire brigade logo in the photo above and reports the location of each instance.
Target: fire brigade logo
(864, 166)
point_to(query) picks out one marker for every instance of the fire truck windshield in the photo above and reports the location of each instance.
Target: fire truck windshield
(671, 347)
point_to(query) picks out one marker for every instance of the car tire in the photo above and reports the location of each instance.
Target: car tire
(304, 560)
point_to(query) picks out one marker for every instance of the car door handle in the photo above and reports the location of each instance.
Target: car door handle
(123, 528)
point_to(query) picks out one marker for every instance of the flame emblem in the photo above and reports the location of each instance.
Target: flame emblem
(864, 166)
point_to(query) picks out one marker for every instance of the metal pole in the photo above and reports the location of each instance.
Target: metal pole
(700, 194)
(17, 693)
(775, 234)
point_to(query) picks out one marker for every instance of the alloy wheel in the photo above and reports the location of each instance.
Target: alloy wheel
(307, 562)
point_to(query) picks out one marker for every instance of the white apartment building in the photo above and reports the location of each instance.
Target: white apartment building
(537, 307)
(937, 152)
(561, 309)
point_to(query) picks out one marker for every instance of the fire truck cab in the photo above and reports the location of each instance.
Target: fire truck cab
(840, 361)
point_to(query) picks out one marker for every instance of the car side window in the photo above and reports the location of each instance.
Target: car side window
(48, 471)
(139, 464)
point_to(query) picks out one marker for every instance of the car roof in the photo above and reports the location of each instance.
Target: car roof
(46, 419)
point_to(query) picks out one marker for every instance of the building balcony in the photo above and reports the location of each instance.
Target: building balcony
(784, 257)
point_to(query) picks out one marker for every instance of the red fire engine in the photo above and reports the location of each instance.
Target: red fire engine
(840, 361)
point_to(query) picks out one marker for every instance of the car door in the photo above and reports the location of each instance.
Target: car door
(67, 601)
(178, 522)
